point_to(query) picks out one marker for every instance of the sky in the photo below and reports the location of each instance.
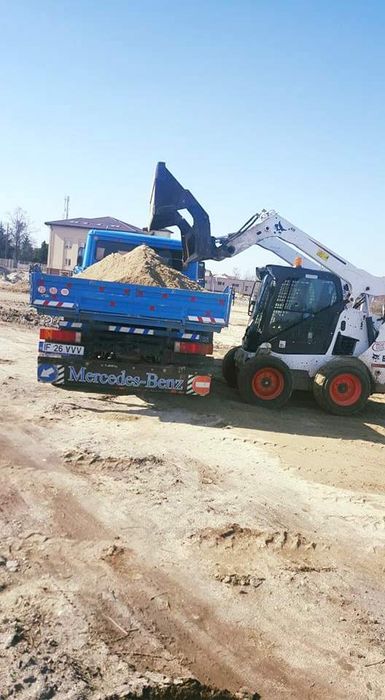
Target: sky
(275, 104)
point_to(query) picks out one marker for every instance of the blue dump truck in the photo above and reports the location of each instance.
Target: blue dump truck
(117, 337)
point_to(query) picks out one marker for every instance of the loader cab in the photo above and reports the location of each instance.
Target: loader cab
(296, 310)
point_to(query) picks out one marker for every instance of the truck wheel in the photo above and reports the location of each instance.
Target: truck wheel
(229, 369)
(265, 381)
(342, 386)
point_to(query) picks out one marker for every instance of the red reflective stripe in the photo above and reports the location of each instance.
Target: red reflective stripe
(193, 348)
(60, 335)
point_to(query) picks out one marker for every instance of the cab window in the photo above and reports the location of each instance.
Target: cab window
(171, 257)
(300, 299)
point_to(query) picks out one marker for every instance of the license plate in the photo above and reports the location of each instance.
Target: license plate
(61, 349)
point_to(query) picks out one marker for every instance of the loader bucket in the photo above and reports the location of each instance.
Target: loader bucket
(168, 200)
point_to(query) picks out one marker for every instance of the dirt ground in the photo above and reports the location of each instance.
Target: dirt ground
(147, 542)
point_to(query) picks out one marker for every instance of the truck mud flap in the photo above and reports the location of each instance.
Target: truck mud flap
(109, 377)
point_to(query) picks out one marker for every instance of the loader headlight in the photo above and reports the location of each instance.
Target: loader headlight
(264, 349)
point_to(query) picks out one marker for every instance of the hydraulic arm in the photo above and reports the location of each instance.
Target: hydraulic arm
(266, 229)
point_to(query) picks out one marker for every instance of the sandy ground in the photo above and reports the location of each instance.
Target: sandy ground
(146, 541)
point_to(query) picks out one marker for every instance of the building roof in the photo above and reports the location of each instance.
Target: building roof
(105, 223)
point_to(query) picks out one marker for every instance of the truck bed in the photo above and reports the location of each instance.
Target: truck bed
(81, 299)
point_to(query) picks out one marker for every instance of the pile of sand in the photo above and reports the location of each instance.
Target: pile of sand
(141, 266)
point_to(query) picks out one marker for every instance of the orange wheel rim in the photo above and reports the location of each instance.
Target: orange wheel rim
(345, 389)
(268, 383)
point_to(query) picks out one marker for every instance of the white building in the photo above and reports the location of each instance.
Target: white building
(68, 235)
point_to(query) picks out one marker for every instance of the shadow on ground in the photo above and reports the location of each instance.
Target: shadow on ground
(223, 407)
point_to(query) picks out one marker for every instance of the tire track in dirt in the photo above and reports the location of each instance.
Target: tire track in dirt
(218, 653)
(235, 482)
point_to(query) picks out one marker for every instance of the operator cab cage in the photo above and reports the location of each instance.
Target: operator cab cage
(296, 310)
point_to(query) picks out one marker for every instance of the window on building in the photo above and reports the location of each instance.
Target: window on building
(68, 245)
(67, 262)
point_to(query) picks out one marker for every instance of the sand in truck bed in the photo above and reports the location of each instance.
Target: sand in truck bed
(140, 266)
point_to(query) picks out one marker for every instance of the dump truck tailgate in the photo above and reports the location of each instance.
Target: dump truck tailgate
(116, 302)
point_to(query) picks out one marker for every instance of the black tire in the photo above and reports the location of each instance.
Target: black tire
(265, 381)
(229, 369)
(342, 386)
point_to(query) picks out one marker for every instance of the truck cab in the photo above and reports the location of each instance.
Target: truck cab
(99, 244)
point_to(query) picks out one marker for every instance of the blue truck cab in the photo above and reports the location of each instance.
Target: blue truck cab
(99, 244)
(118, 337)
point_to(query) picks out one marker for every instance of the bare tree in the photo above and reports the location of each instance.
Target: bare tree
(247, 275)
(20, 234)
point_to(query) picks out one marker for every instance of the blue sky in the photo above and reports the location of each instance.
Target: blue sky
(252, 104)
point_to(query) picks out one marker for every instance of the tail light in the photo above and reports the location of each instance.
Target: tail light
(194, 348)
(60, 336)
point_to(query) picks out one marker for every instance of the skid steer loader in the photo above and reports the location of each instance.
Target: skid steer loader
(312, 324)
